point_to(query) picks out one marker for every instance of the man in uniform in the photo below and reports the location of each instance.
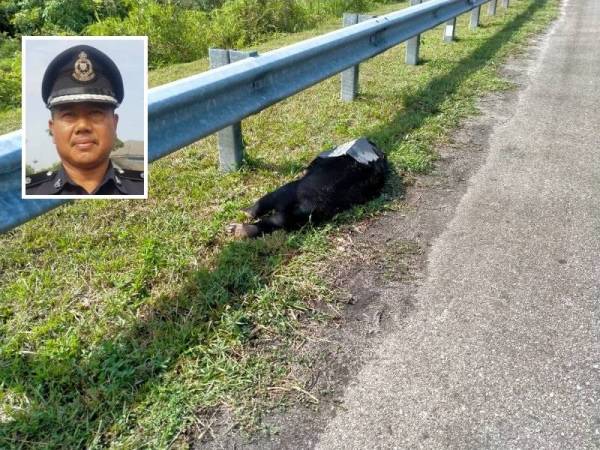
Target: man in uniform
(82, 87)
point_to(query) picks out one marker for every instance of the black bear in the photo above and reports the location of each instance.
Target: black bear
(335, 180)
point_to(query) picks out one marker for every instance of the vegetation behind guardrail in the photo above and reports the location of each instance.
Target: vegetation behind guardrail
(176, 33)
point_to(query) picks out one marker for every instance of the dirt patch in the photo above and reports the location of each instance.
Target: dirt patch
(383, 264)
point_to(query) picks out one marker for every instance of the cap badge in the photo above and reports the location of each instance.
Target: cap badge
(84, 71)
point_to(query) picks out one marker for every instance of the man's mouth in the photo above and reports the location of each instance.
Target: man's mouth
(83, 144)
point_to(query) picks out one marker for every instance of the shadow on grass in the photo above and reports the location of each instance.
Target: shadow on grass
(73, 394)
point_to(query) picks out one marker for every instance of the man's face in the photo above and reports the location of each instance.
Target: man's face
(84, 133)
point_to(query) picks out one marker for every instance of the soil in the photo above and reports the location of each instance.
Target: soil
(384, 262)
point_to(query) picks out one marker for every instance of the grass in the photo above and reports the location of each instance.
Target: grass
(10, 120)
(121, 321)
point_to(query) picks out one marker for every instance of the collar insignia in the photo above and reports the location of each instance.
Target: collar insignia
(84, 71)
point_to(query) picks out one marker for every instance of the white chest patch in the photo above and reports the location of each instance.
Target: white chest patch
(359, 149)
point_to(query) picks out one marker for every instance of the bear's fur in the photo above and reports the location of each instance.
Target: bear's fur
(329, 186)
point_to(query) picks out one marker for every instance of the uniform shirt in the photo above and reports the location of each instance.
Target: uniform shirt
(116, 181)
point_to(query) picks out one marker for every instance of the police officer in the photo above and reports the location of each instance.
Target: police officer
(82, 87)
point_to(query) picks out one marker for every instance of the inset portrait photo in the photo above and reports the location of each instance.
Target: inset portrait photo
(85, 117)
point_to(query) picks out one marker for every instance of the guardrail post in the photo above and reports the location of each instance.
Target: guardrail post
(350, 76)
(492, 8)
(475, 13)
(231, 142)
(413, 44)
(449, 30)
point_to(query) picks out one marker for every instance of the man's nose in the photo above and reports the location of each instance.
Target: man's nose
(83, 124)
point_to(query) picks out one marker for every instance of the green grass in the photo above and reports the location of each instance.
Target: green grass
(10, 120)
(120, 321)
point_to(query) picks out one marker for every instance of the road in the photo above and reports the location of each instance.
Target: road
(503, 347)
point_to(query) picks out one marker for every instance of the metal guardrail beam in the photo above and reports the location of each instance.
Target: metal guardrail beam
(14, 210)
(187, 110)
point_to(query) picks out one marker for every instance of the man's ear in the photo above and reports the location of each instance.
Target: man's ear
(116, 118)
(50, 130)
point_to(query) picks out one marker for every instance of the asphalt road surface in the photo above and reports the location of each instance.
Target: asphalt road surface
(503, 349)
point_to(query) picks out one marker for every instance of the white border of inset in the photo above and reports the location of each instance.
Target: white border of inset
(76, 40)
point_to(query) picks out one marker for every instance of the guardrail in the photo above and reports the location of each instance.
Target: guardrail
(184, 111)
(14, 210)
